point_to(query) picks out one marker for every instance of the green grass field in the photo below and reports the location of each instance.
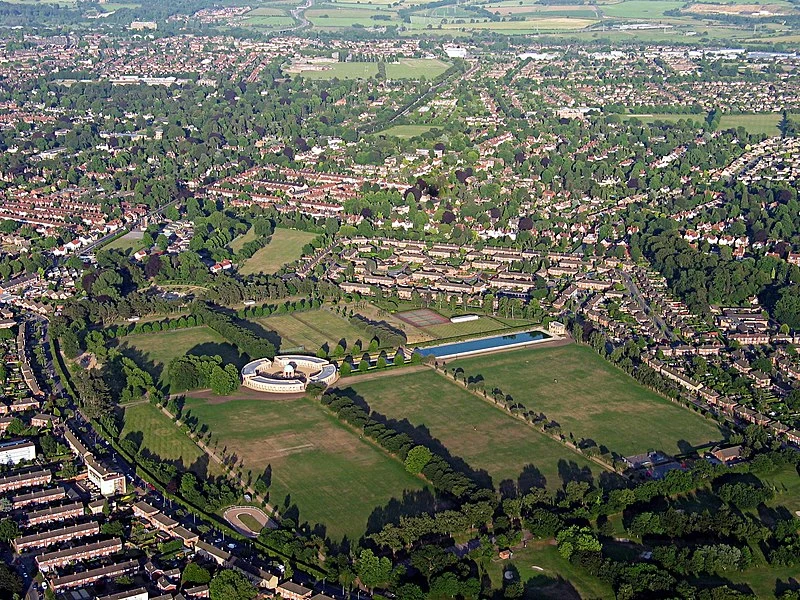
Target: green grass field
(161, 437)
(554, 579)
(592, 399)
(286, 246)
(766, 123)
(154, 351)
(239, 241)
(352, 70)
(130, 241)
(482, 325)
(639, 9)
(311, 329)
(416, 68)
(332, 476)
(483, 435)
(406, 132)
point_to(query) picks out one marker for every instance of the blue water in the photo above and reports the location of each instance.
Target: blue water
(489, 343)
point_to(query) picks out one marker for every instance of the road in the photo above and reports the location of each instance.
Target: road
(298, 14)
(639, 299)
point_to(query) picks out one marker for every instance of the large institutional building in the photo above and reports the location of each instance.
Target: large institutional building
(288, 374)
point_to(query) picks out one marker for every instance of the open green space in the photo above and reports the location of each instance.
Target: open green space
(147, 425)
(333, 476)
(416, 68)
(766, 123)
(435, 410)
(130, 241)
(285, 246)
(406, 131)
(485, 324)
(640, 9)
(592, 399)
(786, 482)
(528, 26)
(310, 330)
(154, 351)
(351, 70)
(547, 575)
(240, 240)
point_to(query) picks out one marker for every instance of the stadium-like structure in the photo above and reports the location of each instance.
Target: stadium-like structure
(288, 373)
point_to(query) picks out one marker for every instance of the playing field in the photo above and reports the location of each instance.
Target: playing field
(592, 399)
(483, 435)
(309, 330)
(131, 240)
(162, 438)
(766, 123)
(416, 68)
(437, 327)
(319, 465)
(154, 351)
(406, 131)
(286, 246)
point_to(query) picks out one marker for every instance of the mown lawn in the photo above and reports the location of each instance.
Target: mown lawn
(285, 246)
(436, 410)
(311, 329)
(155, 351)
(324, 468)
(162, 438)
(591, 398)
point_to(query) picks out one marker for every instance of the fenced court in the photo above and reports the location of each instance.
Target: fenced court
(422, 317)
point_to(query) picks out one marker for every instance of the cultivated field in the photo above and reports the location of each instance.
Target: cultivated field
(485, 436)
(640, 9)
(592, 399)
(154, 351)
(162, 438)
(311, 329)
(319, 465)
(286, 246)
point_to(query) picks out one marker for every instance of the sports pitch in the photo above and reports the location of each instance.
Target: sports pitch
(592, 399)
(489, 439)
(326, 469)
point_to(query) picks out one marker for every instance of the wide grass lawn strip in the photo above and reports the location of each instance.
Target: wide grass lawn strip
(592, 399)
(437, 411)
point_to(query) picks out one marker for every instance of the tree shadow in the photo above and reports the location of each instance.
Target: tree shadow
(228, 352)
(413, 503)
(530, 478)
(200, 466)
(790, 585)
(421, 435)
(555, 588)
(570, 471)
(273, 337)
